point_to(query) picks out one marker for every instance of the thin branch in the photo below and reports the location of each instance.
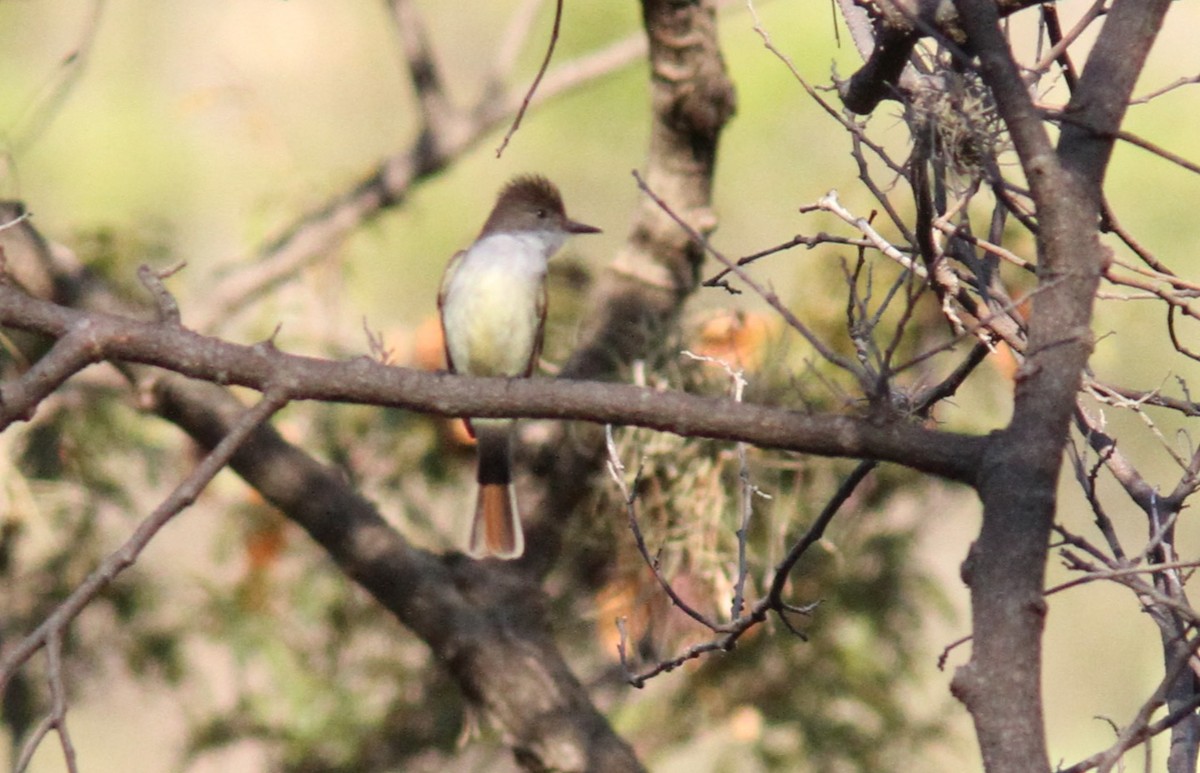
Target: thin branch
(854, 129)
(583, 70)
(1156, 149)
(437, 113)
(986, 324)
(1189, 81)
(616, 471)
(766, 294)
(1008, 256)
(38, 116)
(1087, 479)
(1174, 336)
(639, 679)
(316, 235)
(1156, 270)
(829, 203)
(1101, 391)
(1059, 49)
(942, 658)
(516, 124)
(70, 354)
(1140, 729)
(1141, 492)
(1114, 571)
(1062, 116)
(815, 531)
(116, 562)
(737, 378)
(799, 240)
(1118, 573)
(56, 719)
(164, 301)
(1060, 43)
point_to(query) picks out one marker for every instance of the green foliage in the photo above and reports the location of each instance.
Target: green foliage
(843, 699)
(73, 489)
(324, 679)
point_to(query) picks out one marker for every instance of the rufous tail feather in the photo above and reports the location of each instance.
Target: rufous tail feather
(496, 530)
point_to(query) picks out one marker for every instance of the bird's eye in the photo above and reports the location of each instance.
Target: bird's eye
(541, 214)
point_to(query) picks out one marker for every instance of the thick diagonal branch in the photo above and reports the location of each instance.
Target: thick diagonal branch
(1001, 685)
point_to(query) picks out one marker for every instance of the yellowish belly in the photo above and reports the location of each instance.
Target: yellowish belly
(491, 321)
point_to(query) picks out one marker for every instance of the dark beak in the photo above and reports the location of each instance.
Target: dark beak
(573, 227)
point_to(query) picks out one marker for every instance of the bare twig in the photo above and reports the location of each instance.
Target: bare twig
(829, 203)
(815, 531)
(116, 562)
(617, 471)
(748, 490)
(1141, 492)
(994, 249)
(639, 680)
(1114, 395)
(1189, 81)
(942, 658)
(437, 113)
(1140, 729)
(316, 235)
(1065, 117)
(12, 223)
(798, 240)
(1118, 573)
(47, 106)
(164, 301)
(765, 293)
(1087, 479)
(56, 719)
(1059, 49)
(73, 352)
(516, 124)
(1157, 150)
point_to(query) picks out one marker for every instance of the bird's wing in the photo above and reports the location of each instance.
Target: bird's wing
(447, 277)
(541, 329)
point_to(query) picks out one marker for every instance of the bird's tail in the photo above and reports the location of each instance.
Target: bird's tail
(496, 531)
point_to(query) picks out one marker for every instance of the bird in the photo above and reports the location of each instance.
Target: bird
(492, 306)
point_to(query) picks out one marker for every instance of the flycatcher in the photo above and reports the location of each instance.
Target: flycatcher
(493, 308)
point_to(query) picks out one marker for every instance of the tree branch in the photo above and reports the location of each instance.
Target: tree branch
(239, 429)
(364, 381)
(1001, 685)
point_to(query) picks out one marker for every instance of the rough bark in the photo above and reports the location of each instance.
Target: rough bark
(896, 27)
(1001, 685)
(485, 624)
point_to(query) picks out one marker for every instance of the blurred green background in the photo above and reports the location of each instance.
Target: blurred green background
(198, 131)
